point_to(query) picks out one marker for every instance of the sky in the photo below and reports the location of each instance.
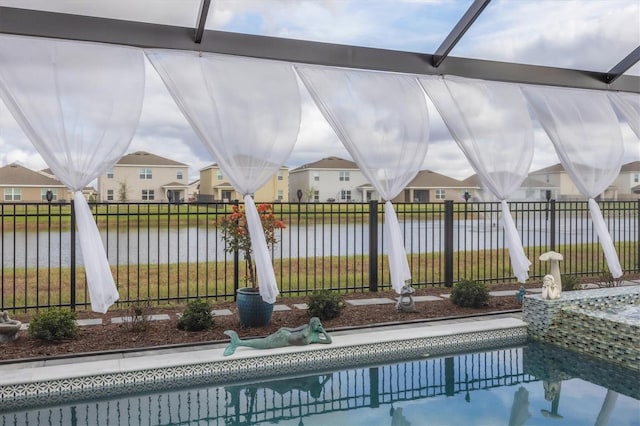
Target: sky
(586, 34)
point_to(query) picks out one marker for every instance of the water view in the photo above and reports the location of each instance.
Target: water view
(162, 246)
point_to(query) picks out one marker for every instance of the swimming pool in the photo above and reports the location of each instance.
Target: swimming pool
(532, 384)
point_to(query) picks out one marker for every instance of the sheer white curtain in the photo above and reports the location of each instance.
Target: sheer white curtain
(586, 134)
(491, 124)
(247, 113)
(79, 104)
(629, 105)
(383, 121)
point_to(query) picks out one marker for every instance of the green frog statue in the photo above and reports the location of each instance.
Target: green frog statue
(285, 336)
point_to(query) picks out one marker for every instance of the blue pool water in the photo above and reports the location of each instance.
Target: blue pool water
(532, 385)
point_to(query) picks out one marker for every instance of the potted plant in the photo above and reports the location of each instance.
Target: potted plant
(253, 311)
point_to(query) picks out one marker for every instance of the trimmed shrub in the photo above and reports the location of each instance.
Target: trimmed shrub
(139, 316)
(469, 294)
(197, 316)
(325, 305)
(54, 324)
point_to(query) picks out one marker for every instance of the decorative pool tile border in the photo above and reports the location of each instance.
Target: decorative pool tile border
(585, 322)
(246, 369)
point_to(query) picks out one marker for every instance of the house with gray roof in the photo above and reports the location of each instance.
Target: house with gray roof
(628, 182)
(620, 189)
(144, 177)
(21, 184)
(430, 187)
(330, 179)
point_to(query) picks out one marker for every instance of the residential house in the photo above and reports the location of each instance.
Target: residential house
(330, 179)
(620, 189)
(193, 190)
(21, 184)
(628, 181)
(530, 190)
(144, 177)
(89, 192)
(214, 187)
(428, 187)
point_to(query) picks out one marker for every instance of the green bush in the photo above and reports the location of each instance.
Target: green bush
(469, 294)
(54, 324)
(325, 305)
(197, 316)
(570, 283)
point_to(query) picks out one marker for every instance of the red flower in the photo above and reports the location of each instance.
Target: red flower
(236, 235)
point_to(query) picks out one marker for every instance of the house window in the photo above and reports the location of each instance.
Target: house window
(43, 194)
(148, 195)
(12, 194)
(109, 194)
(345, 195)
(316, 177)
(110, 173)
(179, 175)
(636, 177)
(280, 175)
(145, 173)
(280, 195)
(316, 196)
(219, 175)
(344, 176)
(440, 194)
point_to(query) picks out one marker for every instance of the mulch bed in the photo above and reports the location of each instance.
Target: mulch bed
(109, 337)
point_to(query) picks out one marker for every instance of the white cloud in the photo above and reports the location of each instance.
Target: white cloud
(584, 34)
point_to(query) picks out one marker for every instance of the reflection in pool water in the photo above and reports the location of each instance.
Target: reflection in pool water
(528, 385)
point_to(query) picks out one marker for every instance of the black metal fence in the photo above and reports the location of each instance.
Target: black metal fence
(173, 252)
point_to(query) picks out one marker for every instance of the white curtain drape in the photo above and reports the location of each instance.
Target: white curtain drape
(79, 104)
(383, 121)
(247, 113)
(491, 124)
(586, 134)
(629, 105)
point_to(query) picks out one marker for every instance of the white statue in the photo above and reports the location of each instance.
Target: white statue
(8, 328)
(554, 258)
(550, 290)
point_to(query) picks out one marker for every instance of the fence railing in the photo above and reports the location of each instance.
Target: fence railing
(173, 252)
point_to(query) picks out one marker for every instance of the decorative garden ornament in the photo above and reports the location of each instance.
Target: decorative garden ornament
(405, 301)
(285, 336)
(554, 258)
(8, 328)
(550, 290)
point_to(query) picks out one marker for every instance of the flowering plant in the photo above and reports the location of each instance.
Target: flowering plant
(235, 233)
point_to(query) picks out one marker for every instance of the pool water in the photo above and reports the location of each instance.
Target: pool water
(532, 385)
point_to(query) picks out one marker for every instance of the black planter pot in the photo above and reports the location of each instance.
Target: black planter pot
(253, 311)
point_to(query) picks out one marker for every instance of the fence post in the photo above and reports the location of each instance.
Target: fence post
(448, 243)
(552, 225)
(236, 267)
(374, 387)
(637, 238)
(449, 377)
(72, 300)
(373, 246)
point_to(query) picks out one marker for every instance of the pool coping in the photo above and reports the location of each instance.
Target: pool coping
(28, 383)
